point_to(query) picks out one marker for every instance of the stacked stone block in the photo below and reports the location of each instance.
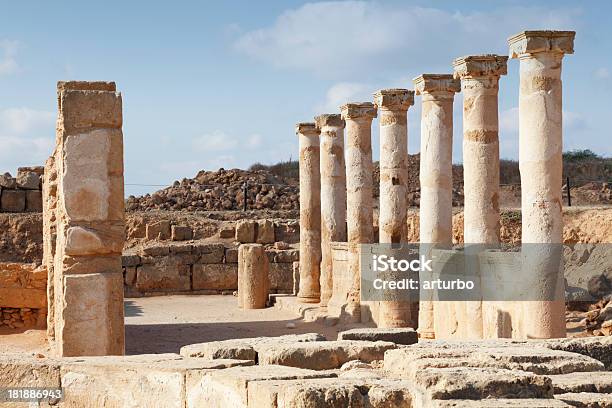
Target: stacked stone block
(22, 193)
(84, 225)
(198, 268)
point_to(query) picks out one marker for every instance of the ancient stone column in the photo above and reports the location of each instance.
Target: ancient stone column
(393, 107)
(540, 162)
(333, 195)
(479, 75)
(360, 227)
(253, 276)
(436, 205)
(89, 220)
(310, 213)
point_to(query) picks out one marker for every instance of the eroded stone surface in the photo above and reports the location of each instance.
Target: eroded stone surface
(244, 349)
(323, 355)
(405, 336)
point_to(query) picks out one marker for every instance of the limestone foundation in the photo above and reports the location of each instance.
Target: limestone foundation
(540, 162)
(393, 107)
(253, 280)
(479, 75)
(333, 195)
(438, 92)
(310, 213)
(358, 117)
(84, 221)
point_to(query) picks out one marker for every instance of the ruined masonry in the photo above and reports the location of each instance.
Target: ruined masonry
(346, 194)
(84, 222)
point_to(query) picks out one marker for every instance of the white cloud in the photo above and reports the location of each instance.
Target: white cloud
(509, 120)
(254, 140)
(26, 137)
(344, 92)
(602, 73)
(215, 141)
(8, 63)
(17, 121)
(351, 38)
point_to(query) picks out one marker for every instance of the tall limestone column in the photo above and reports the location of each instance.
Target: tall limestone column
(479, 75)
(333, 195)
(310, 213)
(540, 163)
(360, 226)
(436, 177)
(393, 107)
(89, 220)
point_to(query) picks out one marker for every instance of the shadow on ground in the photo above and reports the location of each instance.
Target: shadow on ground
(169, 338)
(131, 309)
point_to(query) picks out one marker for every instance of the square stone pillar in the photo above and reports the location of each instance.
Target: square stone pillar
(540, 162)
(436, 176)
(88, 219)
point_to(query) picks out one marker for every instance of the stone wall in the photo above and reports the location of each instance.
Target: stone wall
(21, 193)
(198, 268)
(23, 296)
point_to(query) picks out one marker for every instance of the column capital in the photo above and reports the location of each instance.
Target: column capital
(428, 83)
(394, 99)
(358, 110)
(488, 65)
(531, 42)
(329, 119)
(306, 128)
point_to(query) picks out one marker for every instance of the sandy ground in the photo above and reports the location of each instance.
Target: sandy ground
(164, 324)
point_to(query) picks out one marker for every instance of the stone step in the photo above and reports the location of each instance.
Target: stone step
(600, 381)
(404, 336)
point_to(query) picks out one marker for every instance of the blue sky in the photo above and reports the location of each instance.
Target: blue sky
(221, 84)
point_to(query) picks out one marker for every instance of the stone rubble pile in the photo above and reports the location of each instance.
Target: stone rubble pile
(598, 319)
(22, 193)
(223, 190)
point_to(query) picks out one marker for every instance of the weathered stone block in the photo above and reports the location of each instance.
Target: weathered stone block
(105, 239)
(582, 382)
(28, 180)
(209, 253)
(24, 370)
(404, 336)
(84, 109)
(130, 260)
(287, 256)
(215, 276)
(34, 201)
(8, 182)
(93, 303)
(281, 277)
(227, 231)
(89, 190)
(323, 355)
(130, 276)
(245, 231)
(23, 297)
(167, 273)
(181, 233)
(481, 383)
(244, 349)
(599, 348)
(231, 255)
(229, 387)
(156, 250)
(143, 380)
(253, 277)
(158, 230)
(265, 232)
(586, 399)
(501, 403)
(330, 392)
(12, 200)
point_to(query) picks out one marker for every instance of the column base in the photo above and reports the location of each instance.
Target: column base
(308, 299)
